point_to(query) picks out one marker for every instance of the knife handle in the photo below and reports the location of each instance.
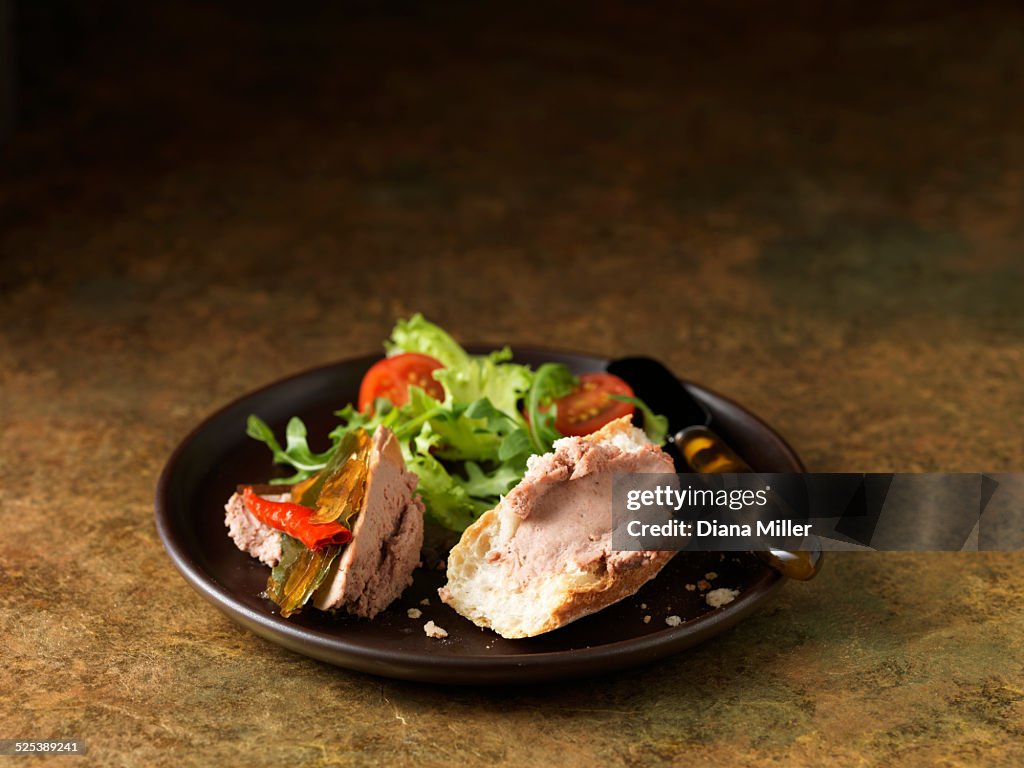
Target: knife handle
(802, 565)
(707, 453)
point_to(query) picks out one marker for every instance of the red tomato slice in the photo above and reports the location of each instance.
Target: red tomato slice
(390, 378)
(588, 407)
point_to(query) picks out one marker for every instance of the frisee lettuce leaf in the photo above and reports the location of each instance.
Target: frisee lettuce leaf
(468, 449)
(418, 334)
(490, 378)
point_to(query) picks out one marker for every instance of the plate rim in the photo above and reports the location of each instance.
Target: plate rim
(452, 669)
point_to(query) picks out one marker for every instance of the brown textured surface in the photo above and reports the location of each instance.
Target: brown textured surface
(819, 215)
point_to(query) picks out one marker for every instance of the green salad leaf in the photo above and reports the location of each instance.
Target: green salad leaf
(467, 449)
(655, 425)
(297, 453)
(418, 334)
(552, 380)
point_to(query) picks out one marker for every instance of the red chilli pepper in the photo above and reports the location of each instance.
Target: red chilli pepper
(294, 519)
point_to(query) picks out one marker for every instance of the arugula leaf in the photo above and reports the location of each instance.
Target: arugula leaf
(490, 485)
(456, 436)
(550, 382)
(468, 449)
(516, 443)
(297, 453)
(655, 425)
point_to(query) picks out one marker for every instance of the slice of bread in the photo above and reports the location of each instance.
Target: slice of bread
(543, 557)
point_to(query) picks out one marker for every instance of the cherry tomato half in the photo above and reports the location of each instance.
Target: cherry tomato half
(588, 407)
(390, 378)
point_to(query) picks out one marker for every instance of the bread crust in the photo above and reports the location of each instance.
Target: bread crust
(608, 590)
(621, 426)
(581, 593)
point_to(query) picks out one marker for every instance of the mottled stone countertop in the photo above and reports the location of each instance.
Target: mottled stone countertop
(817, 213)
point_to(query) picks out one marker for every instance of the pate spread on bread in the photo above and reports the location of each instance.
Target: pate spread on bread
(543, 557)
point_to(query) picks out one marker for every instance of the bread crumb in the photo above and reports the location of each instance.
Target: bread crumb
(425, 601)
(691, 587)
(710, 575)
(647, 619)
(643, 606)
(414, 613)
(673, 621)
(704, 585)
(722, 596)
(430, 629)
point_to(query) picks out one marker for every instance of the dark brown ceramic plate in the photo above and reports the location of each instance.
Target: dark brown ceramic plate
(217, 456)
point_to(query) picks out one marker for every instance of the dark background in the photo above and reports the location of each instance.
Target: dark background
(814, 208)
